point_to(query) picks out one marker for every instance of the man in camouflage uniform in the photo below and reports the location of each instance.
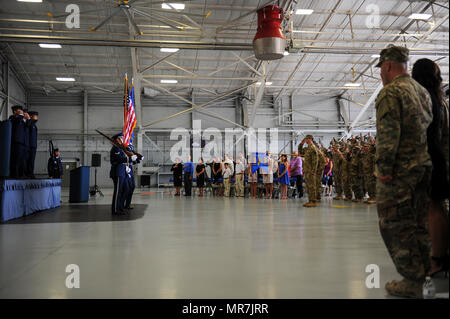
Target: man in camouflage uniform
(403, 168)
(318, 173)
(310, 162)
(346, 174)
(338, 160)
(355, 172)
(368, 167)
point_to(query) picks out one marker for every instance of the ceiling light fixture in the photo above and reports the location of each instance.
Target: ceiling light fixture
(352, 84)
(29, 0)
(419, 16)
(376, 56)
(267, 83)
(178, 6)
(50, 45)
(169, 81)
(62, 79)
(304, 11)
(169, 49)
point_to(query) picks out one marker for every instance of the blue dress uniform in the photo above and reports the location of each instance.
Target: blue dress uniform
(118, 173)
(188, 173)
(54, 166)
(131, 185)
(18, 144)
(33, 132)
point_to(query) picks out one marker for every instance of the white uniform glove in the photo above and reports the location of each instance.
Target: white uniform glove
(142, 158)
(128, 169)
(134, 158)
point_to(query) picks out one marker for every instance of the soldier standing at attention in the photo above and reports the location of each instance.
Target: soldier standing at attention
(33, 132)
(309, 168)
(318, 173)
(356, 172)
(118, 173)
(346, 172)
(403, 168)
(18, 142)
(54, 165)
(337, 173)
(368, 166)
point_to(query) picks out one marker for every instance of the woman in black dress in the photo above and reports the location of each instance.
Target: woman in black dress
(200, 173)
(217, 172)
(177, 170)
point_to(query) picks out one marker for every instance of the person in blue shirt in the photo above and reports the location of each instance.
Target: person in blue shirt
(33, 132)
(118, 173)
(188, 173)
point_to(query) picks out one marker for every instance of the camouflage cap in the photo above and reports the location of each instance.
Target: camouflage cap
(308, 136)
(395, 54)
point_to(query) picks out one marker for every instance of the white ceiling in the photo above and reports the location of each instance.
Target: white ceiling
(333, 44)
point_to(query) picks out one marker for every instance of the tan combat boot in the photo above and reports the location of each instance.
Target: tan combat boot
(338, 198)
(310, 204)
(371, 201)
(405, 288)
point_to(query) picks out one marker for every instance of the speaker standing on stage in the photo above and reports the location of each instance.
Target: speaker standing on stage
(54, 166)
(33, 131)
(18, 142)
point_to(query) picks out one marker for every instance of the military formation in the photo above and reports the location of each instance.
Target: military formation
(353, 168)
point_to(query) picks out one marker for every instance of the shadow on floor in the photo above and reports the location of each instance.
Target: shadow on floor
(79, 214)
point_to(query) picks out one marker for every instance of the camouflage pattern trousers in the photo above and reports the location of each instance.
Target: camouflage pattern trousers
(404, 229)
(310, 181)
(370, 182)
(337, 180)
(318, 184)
(346, 183)
(357, 186)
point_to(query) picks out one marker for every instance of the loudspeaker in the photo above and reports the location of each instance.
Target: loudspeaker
(96, 160)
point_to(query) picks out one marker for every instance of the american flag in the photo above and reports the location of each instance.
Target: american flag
(130, 119)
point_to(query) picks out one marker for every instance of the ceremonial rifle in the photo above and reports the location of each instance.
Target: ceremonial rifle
(121, 146)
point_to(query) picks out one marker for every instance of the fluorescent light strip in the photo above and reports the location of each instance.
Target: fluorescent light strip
(30, 1)
(50, 45)
(65, 79)
(419, 16)
(178, 6)
(352, 84)
(375, 56)
(169, 81)
(304, 11)
(267, 83)
(169, 49)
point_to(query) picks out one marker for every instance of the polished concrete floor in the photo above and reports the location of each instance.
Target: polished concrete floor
(178, 247)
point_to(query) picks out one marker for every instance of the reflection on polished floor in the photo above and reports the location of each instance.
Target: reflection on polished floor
(178, 247)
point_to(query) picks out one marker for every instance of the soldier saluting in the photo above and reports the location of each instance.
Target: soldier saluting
(311, 161)
(18, 142)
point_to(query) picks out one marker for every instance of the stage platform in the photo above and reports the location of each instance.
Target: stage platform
(23, 197)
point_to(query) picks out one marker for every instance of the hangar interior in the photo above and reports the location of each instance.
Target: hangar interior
(199, 56)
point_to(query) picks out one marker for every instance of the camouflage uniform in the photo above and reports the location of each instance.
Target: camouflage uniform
(346, 176)
(368, 167)
(318, 174)
(404, 112)
(338, 161)
(309, 167)
(356, 173)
